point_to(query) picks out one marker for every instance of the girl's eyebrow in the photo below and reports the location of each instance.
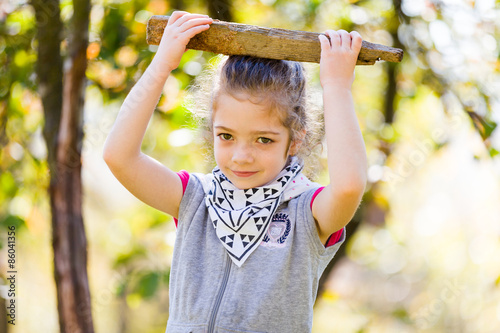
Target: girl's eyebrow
(254, 132)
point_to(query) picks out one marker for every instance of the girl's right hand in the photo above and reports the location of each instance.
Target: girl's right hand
(181, 27)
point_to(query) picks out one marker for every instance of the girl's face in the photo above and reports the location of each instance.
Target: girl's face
(251, 145)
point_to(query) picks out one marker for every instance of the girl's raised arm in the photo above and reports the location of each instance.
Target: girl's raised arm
(143, 176)
(335, 206)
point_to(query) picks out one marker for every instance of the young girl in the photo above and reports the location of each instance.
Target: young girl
(254, 236)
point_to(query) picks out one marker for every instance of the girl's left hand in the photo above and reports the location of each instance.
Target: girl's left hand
(338, 58)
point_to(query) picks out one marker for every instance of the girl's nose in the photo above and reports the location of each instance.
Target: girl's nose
(242, 154)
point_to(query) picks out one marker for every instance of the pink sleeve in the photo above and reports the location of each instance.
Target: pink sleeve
(184, 176)
(335, 237)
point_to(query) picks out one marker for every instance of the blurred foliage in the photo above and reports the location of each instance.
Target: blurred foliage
(450, 74)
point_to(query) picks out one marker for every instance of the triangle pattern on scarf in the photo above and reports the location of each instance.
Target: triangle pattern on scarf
(268, 207)
(269, 192)
(246, 238)
(259, 226)
(260, 218)
(241, 218)
(228, 240)
(251, 192)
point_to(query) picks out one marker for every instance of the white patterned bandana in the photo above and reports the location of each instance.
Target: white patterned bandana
(241, 218)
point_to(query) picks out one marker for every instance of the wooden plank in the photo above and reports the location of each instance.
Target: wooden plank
(243, 39)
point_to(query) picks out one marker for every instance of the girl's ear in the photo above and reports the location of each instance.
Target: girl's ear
(297, 143)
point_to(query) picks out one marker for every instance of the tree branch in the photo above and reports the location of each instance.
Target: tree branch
(242, 39)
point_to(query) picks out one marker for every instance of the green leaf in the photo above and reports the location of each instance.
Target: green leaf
(148, 284)
(8, 184)
(127, 258)
(484, 126)
(12, 220)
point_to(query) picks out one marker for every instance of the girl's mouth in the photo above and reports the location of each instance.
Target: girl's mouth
(244, 173)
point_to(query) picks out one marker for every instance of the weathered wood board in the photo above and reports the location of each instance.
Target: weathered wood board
(243, 39)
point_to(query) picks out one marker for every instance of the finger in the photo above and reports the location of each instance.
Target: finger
(345, 39)
(190, 33)
(357, 41)
(324, 42)
(175, 16)
(194, 23)
(188, 17)
(334, 37)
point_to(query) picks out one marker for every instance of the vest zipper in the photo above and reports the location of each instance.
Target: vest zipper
(222, 289)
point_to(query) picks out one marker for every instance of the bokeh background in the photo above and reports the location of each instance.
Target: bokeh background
(423, 251)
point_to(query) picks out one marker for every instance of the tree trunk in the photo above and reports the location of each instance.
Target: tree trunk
(220, 9)
(3, 318)
(62, 101)
(178, 4)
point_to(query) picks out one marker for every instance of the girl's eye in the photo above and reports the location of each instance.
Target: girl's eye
(264, 140)
(225, 136)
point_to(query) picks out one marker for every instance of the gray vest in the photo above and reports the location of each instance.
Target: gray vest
(275, 289)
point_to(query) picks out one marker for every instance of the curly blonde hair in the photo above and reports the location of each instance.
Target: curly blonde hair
(279, 84)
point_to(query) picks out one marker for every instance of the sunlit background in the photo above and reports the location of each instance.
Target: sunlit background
(425, 256)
